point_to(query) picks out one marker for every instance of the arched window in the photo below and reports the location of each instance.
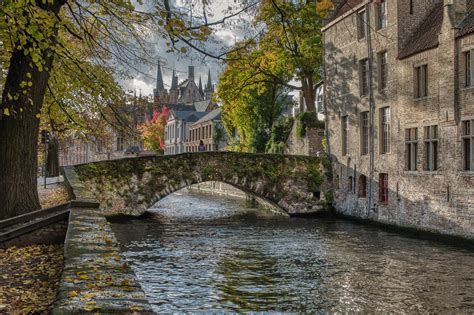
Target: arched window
(362, 186)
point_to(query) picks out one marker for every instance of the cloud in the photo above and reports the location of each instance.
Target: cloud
(223, 37)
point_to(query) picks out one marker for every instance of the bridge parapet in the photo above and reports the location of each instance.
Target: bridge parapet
(296, 184)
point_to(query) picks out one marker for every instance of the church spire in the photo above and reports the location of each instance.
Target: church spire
(174, 81)
(209, 83)
(159, 80)
(200, 86)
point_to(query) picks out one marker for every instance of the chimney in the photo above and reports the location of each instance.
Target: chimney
(457, 10)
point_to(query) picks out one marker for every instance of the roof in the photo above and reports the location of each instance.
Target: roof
(467, 25)
(345, 6)
(188, 116)
(213, 115)
(201, 106)
(425, 35)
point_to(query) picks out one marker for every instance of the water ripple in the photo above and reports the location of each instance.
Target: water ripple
(201, 253)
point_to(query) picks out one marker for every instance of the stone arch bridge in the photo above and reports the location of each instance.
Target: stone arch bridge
(295, 184)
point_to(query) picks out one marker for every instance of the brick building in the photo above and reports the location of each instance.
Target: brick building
(399, 98)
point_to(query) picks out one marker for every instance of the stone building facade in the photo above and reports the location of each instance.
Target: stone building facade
(399, 98)
(177, 129)
(181, 95)
(206, 129)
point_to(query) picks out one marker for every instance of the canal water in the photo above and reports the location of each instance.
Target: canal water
(201, 253)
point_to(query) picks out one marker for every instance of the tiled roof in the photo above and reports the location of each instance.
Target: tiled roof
(467, 25)
(345, 6)
(426, 35)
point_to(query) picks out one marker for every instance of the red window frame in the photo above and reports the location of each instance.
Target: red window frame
(383, 188)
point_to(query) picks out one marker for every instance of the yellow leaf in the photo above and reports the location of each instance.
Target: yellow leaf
(72, 294)
(6, 112)
(38, 116)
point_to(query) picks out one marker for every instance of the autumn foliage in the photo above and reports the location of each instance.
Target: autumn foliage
(153, 131)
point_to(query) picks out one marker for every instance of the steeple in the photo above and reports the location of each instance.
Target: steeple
(174, 81)
(159, 80)
(200, 86)
(191, 73)
(209, 83)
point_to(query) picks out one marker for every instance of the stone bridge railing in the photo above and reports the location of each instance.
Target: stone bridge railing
(296, 184)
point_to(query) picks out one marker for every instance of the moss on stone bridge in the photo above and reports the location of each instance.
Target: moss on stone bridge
(297, 184)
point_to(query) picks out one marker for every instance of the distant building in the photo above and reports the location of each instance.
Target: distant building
(182, 96)
(177, 128)
(77, 149)
(208, 129)
(318, 105)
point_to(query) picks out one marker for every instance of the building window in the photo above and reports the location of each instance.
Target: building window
(349, 183)
(383, 188)
(345, 134)
(421, 81)
(364, 77)
(411, 144)
(383, 70)
(468, 141)
(431, 148)
(382, 14)
(364, 133)
(385, 130)
(362, 186)
(119, 143)
(319, 103)
(411, 6)
(100, 146)
(362, 24)
(468, 68)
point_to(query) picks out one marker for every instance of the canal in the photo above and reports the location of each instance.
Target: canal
(210, 253)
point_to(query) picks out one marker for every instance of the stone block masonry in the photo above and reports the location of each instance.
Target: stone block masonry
(96, 278)
(295, 184)
(399, 113)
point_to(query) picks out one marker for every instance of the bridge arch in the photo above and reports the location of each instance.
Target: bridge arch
(295, 184)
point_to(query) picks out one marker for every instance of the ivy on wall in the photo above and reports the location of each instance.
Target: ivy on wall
(307, 120)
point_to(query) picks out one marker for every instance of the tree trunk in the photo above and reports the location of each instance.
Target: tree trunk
(19, 127)
(309, 93)
(52, 163)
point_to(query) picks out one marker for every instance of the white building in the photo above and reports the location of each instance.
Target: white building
(177, 128)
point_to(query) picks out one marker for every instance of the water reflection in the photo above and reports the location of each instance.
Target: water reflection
(248, 280)
(203, 253)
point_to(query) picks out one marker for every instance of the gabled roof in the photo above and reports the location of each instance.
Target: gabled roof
(201, 106)
(467, 25)
(425, 35)
(345, 6)
(188, 116)
(213, 115)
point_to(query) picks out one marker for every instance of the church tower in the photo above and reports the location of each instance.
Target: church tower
(209, 89)
(160, 94)
(174, 91)
(200, 86)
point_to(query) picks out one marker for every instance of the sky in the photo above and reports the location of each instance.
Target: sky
(224, 36)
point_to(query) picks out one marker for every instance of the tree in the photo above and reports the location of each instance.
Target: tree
(153, 131)
(35, 33)
(291, 45)
(252, 100)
